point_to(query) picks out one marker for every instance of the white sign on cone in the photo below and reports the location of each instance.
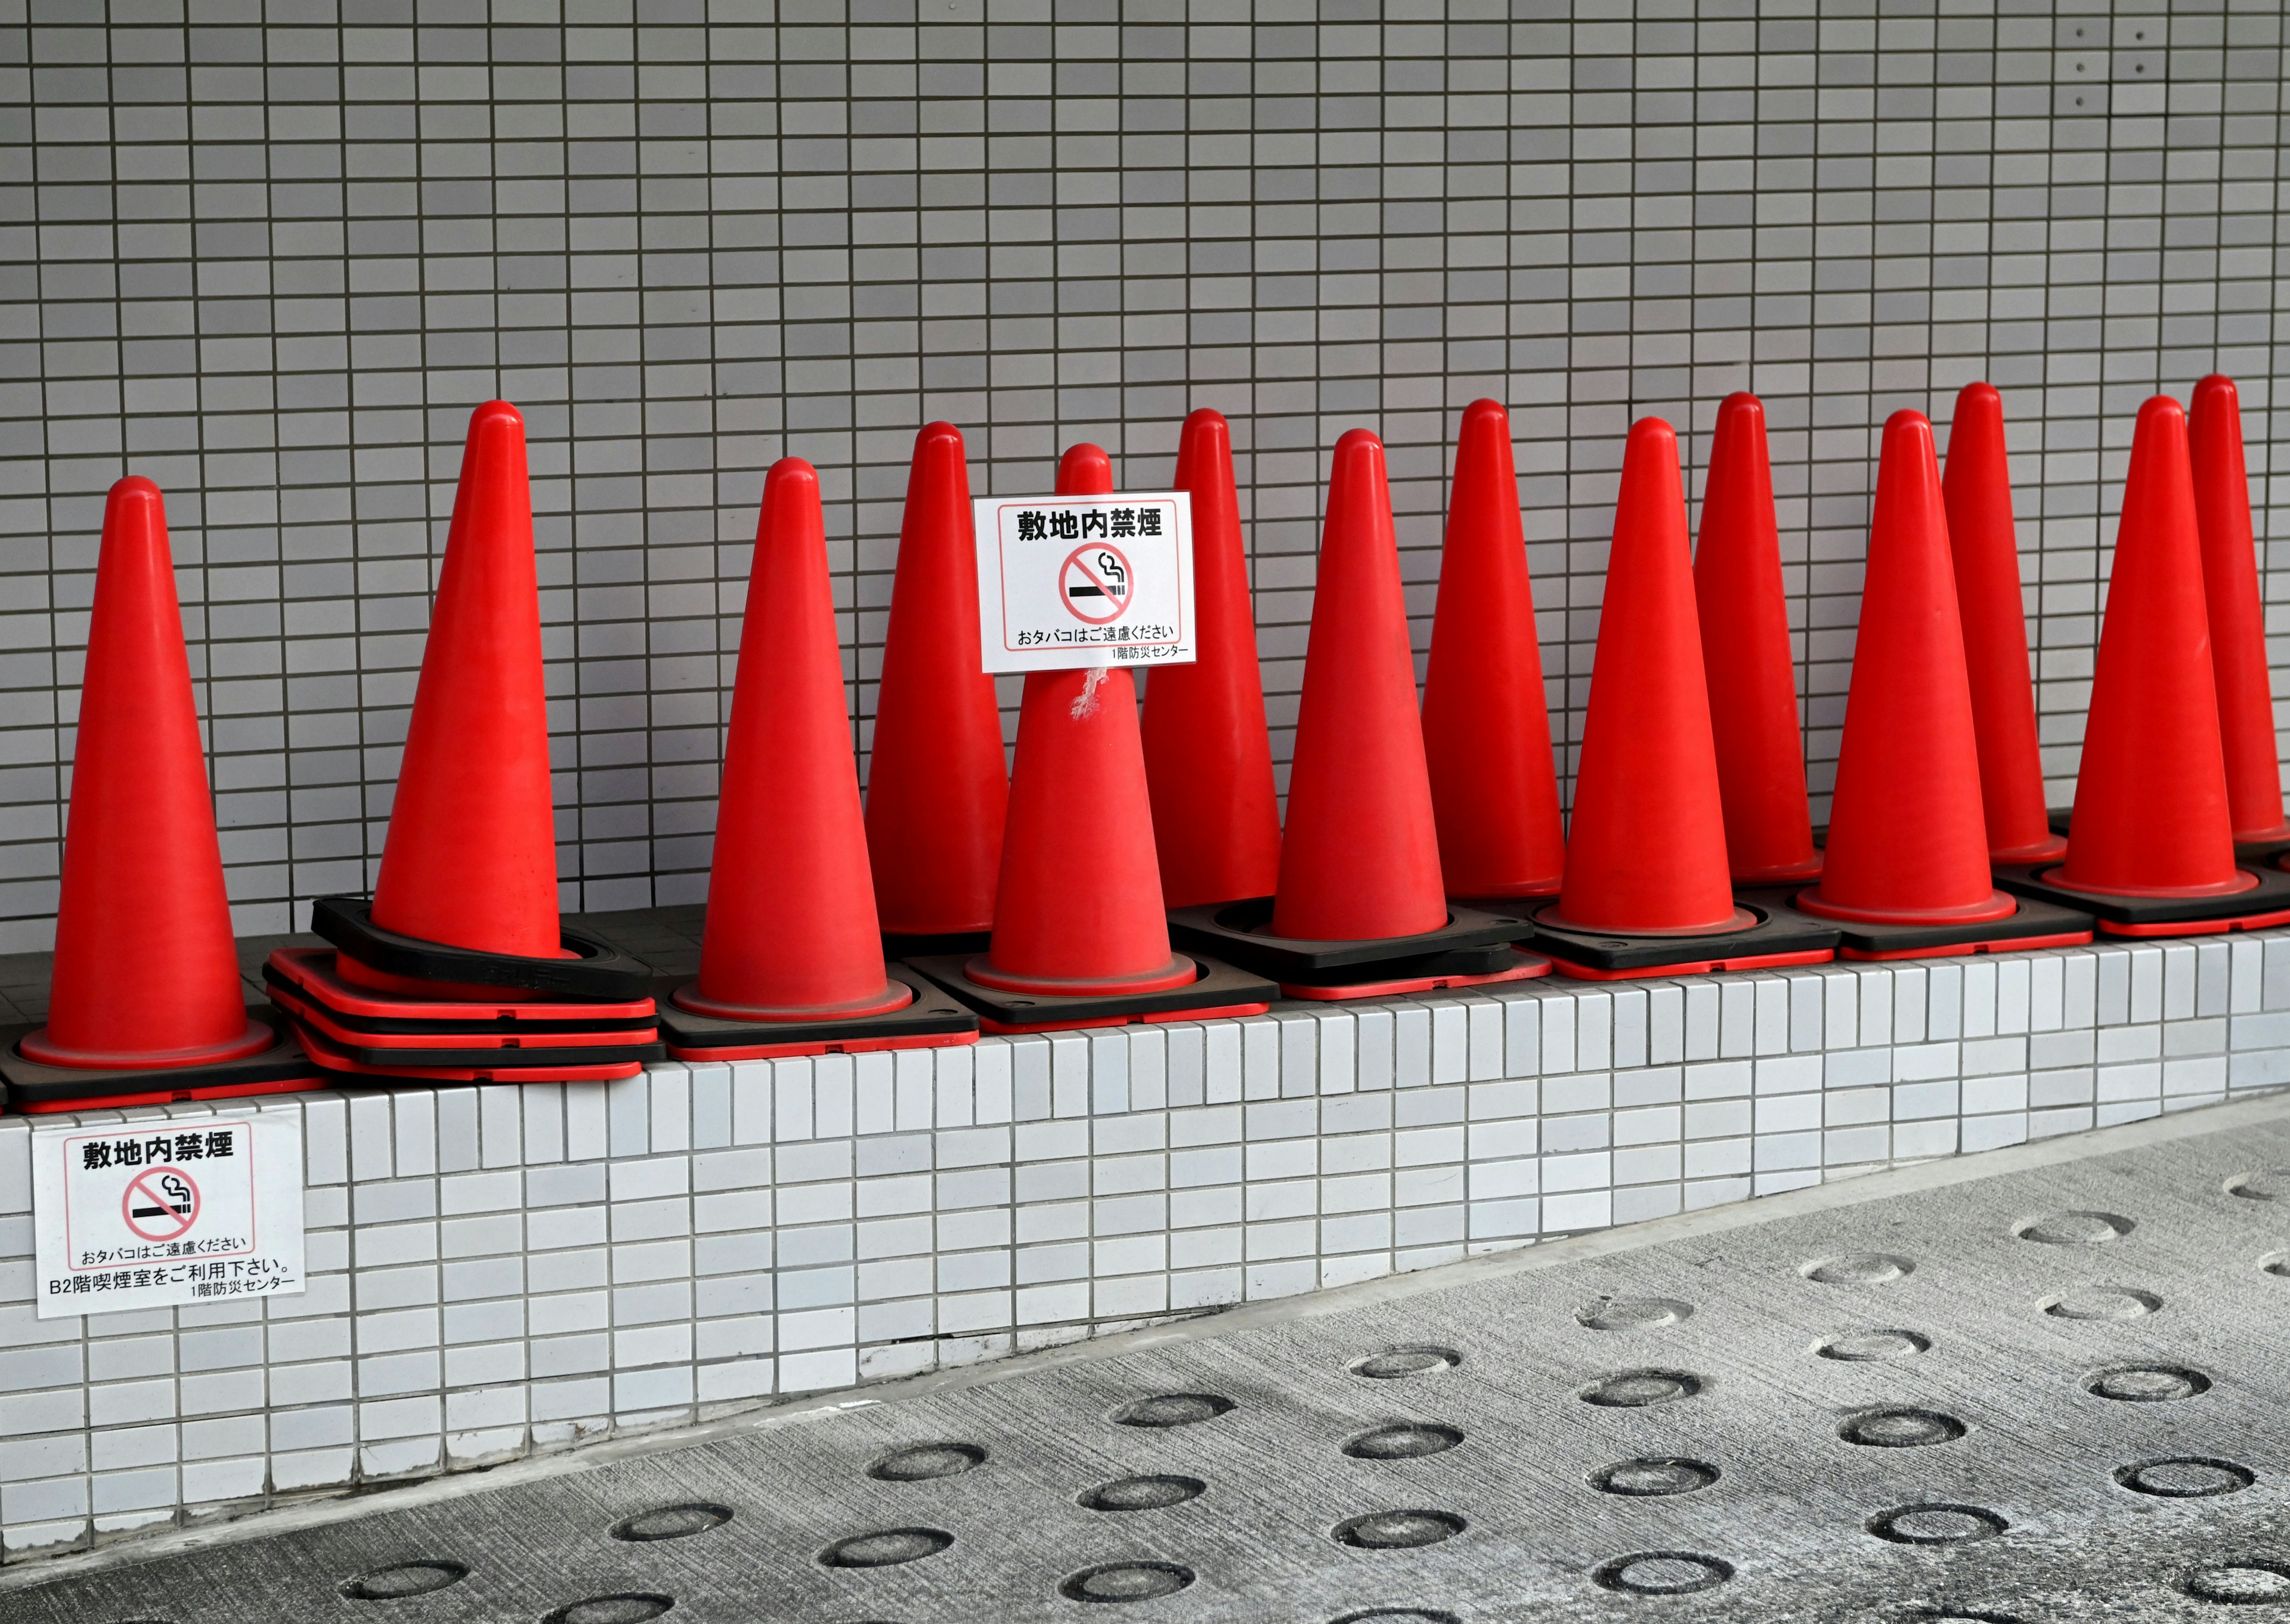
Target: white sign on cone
(149, 1214)
(1073, 581)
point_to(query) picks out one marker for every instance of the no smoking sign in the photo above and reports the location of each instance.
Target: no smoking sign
(1074, 581)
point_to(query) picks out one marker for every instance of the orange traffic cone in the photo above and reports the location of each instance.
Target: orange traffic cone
(146, 1003)
(1647, 890)
(1486, 724)
(1746, 660)
(1984, 547)
(1208, 760)
(1908, 844)
(937, 787)
(791, 935)
(2238, 619)
(2150, 848)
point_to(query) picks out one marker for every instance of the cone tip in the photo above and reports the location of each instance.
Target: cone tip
(2218, 387)
(2159, 410)
(1651, 431)
(1353, 441)
(1739, 401)
(1485, 411)
(789, 468)
(1979, 392)
(1205, 420)
(496, 413)
(136, 487)
(1908, 419)
(936, 435)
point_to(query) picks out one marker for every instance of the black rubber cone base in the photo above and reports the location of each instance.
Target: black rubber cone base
(934, 1020)
(906, 945)
(1473, 942)
(1218, 989)
(2266, 903)
(2036, 923)
(308, 977)
(33, 1088)
(601, 971)
(1780, 936)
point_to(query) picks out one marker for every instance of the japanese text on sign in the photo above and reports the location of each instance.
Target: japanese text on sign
(1074, 581)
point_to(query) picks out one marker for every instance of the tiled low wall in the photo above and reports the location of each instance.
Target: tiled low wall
(501, 1270)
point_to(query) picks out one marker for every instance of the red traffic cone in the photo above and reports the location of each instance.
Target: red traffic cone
(145, 973)
(791, 932)
(1746, 659)
(1208, 760)
(1486, 724)
(1078, 910)
(1908, 843)
(937, 787)
(2237, 620)
(1985, 550)
(1646, 850)
(1360, 856)
(2150, 807)
(470, 860)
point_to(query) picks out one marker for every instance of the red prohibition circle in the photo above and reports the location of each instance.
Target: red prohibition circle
(1105, 581)
(157, 1210)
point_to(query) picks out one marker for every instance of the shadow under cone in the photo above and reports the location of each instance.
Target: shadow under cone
(1984, 547)
(2238, 619)
(1486, 724)
(145, 972)
(1908, 843)
(791, 932)
(1208, 758)
(938, 788)
(1746, 656)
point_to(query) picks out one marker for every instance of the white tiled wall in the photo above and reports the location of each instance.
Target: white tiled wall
(501, 1270)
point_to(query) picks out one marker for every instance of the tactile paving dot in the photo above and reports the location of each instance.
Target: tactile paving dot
(628, 1607)
(1631, 1313)
(1634, 1389)
(1389, 1531)
(1649, 1476)
(2074, 1229)
(672, 1522)
(2147, 1384)
(1936, 1524)
(1862, 1347)
(2101, 1302)
(1901, 1428)
(1143, 1493)
(1858, 1268)
(1402, 1441)
(1662, 1572)
(887, 1547)
(2185, 1477)
(1397, 1364)
(2266, 1184)
(922, 1462)
(1125, 1581)
(1172, 1409)
(2240, 1582)
(403, 1579)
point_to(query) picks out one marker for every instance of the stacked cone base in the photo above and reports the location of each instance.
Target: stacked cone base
(592, 969)
(1778, 935)
(2035, 922)
(32, 1088)
(1217, 988)
(332, 1057)
(1472, 950)
(2257, 906)
(384, 1029)
(928, 1019)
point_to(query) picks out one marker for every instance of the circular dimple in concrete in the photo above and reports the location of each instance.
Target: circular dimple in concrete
(1631, 1313)
(2266, 1184)
(1391, 1530)
(2147, 1384)
(1864, 1347)
(1143, 1493)
(1125, 1581)
(1858, 1268)
(1634, 1389)
(2186, 1477)
(672, 1522)
(1935, 1524)
(395, 1583)
(923, 1462)
(2102, 1302)
(1901, 1428)
(1172, 1409)
(1646, 1478)
(2276, 1263)
(2074, 1229)
(1403, 1441)
(2242, 1583)
(1662, 1572)
(885, 1548)
(1394, 1364)
(630, 1607)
